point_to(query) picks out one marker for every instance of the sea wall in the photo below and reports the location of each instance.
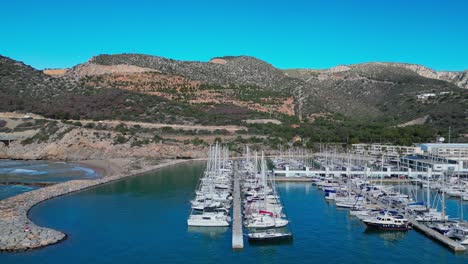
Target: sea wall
(18, 232)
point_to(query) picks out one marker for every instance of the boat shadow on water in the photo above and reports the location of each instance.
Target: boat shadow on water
(393, 235)
(213, 232)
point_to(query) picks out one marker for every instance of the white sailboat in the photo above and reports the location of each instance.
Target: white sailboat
(210, 207)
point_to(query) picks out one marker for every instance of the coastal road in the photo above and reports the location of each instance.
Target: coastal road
(230, 128)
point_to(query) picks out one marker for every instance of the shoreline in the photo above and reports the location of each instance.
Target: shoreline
(19, 233)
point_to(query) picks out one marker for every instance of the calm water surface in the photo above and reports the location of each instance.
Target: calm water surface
(143, 220)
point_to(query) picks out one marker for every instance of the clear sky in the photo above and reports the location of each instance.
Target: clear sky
(288, 34)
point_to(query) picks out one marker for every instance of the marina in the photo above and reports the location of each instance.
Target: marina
(240, 200)
(358, 185)
(123, 213)
(264, 214)
(247, 184)
(231, 132)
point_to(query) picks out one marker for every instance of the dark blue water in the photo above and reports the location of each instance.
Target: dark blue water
(143, 220)
(38, 171)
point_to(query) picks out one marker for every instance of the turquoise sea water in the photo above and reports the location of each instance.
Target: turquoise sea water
(143, 220)
(38, 171)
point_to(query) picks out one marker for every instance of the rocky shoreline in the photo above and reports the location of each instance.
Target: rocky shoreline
(19, 233)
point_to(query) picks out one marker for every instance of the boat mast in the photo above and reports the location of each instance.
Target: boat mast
(428, 191)
(443, 196)
(461, 195)
(381, 172)
(264, 181)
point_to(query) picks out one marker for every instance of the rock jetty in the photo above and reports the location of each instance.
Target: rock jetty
(19, 233)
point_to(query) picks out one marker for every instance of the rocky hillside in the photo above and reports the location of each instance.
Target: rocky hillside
(57, 140)
(371, 90)
(379, 90)
(228, 90)
(25, 89)
(458, 78)
(240, 82)
(242, 70)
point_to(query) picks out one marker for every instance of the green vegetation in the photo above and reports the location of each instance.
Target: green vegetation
(139, 143)
(368, 100)
(44, 134)
(120, 139)
(64, 132)
(345, 130)
(198, 142)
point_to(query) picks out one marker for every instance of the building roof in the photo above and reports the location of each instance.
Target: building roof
(429, 160)
(444, 145)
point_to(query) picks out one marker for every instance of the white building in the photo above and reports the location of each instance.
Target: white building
(436, 163)
(425, 96)
(387, 150)
(454, 151)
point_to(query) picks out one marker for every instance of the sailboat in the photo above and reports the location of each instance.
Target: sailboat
(266, 210)
(459, 230)
(210, 207)
(270, 235)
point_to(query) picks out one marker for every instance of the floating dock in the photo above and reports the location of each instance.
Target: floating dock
(237, 234)
(293, 179)
(454, 245)
(446, 241)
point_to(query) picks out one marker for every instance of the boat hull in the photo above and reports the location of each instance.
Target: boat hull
(388, 226)
(207, 223)
(275, 239)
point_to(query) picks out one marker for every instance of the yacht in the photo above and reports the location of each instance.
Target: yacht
(459, 231)
(208, 219)
(388, 221)
(432, 215)
(269, 235)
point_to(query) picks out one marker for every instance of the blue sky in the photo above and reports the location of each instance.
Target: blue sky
(288, 34)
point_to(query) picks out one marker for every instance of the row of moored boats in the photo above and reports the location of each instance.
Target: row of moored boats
(213, 197)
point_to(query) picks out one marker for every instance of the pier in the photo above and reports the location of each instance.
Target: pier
(454, 245)
(448, 242)
(237, 234)
(308, 172)
(293, 179)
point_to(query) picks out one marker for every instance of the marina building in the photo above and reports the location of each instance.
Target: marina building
(436, 163)
(453, 151)
(387, 150)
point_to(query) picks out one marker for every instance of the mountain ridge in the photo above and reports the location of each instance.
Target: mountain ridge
(459, 78)
(244, 84)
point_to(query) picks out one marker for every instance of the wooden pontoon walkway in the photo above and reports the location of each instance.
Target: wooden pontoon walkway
(237, 235)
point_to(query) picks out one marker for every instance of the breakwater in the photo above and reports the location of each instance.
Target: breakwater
(19, 233)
